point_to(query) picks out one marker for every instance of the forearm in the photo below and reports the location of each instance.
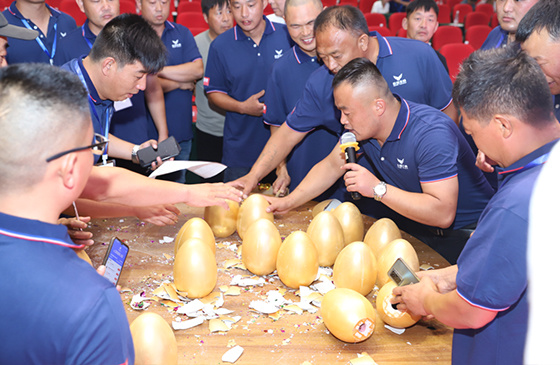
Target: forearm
(119, 148)
(452, 310)
(97, 209)
(156, 105)
(185, 72)
(225, 102)
(168, 85)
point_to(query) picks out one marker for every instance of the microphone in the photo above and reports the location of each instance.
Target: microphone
(349, 146)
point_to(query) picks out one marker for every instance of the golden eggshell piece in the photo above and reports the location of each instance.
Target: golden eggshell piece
(380, 234)
(348, 315)
(223, 222)
(154, 341)
(351, 221)
(195, 270)
(297, 260)
(260, 247)
(326, 233)
(84, 256)
(355, 268)
(398, 248)
(389, 315)
(196, 228)
(252, 209)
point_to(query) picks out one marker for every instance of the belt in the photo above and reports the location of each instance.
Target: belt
(467, 230)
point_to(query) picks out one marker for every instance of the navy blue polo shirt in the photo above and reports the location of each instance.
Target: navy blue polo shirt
(285, 86)
(426, 146)
(181, 48)
(60, 24)
(237, 66)
(77, 43)
(493, 268)
(496, 38)
(59, 310)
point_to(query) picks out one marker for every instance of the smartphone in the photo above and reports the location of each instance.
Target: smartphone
(402, 274)
(114, 260)
(166, 149)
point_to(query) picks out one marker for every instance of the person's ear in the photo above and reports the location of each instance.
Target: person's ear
(68, 170)
(108, 65)
(505, 125)
(405, 23)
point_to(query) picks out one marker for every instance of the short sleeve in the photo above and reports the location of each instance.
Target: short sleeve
(215, 78)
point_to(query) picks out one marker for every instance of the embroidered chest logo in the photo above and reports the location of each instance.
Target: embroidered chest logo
(278, 54)
(175, 43)
(62, 34)
(399, 80)
(400, 163)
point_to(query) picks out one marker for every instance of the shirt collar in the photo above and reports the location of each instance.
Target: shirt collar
(533, 159)
(15, 11)
(302, 57)
(34, 230)
(239, 35)
(168, 26)
(385, 49)
(92, 91)
(402, 121)
(87, 32)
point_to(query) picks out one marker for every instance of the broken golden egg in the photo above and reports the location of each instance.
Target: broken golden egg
(326, 233)
(195, 270)
(196, 228)
(154, 341)
(348, 315)
(355, 268)
(351, 221)
(297, 260)
(398, 248)
(260, 247)
(389, 315)
(380, 234)
(252, 209)
(223, 222)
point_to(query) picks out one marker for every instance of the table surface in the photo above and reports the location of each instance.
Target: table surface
(293, 338)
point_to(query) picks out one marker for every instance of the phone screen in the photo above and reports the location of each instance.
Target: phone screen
(114, 260)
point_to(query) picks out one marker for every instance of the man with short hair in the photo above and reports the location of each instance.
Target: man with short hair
(425, 168)
(421, 22)
(51, 24)
(184, 67)
(81, 318)
(507, 108)
(239, 63)
(209, 119)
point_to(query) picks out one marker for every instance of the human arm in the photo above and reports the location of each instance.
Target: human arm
(250, 106)
(76, 231)
(122, 149)
(170, 85)
(156, 106)
(435, 206)
(121, 186)
(322, 176)
(184, 72)
(279, 145)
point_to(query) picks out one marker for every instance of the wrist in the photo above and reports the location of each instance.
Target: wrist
(134, 154)
(379, 190)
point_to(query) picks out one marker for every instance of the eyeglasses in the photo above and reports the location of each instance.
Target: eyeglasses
(97, 148)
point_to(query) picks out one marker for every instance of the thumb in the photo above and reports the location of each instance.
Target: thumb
(259, 94)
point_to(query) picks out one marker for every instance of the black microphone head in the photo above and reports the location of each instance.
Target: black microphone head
(347, 137)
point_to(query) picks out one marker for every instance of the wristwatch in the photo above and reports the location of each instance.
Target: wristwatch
(134, 156)
(379, 190)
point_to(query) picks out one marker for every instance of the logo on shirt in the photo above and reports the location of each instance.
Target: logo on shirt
(175, 43)
(62, 34)
(399, 80)
(206, 81)
(400, 163)
(278, 54)
(264, 108)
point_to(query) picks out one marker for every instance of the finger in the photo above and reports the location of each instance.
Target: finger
(101, 270)
(259, 94)
(173, 208)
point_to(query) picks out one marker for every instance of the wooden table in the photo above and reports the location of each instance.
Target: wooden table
(293, 338)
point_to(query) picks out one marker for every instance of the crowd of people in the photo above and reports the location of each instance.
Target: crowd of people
(454, 164)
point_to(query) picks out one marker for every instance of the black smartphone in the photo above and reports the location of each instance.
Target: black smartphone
(402, 274)
(166, 149)
(114, 260)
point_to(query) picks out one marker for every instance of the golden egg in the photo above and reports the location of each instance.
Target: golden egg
(355, 268)
(260, 247)
(348, 315)
(196, 228)
(154, 341)
(389, 315)
(195, 270)
(297, 260)
(223, 222)
(398, 248)
(325, 205)
(252, 209)
(84, 256)
(351, 221)
(380, 234)
(326, 233)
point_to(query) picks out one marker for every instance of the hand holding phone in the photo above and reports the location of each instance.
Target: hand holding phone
(114, 260)
(402, 274)
(166, 149)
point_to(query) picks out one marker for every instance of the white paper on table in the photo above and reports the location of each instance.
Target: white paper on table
(203, 169)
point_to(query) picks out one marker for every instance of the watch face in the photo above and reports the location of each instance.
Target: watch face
(380, 189)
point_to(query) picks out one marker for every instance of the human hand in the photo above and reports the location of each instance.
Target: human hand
(158, 162)
(101, 271)
(411, 297)
(186, 85)
(252, 106)
(245, 183)
(283, 179)
(205, 195)
(444, 279)
(75, 230)
(279, 205)
(160, 215)
(484, 162)
(358, 178)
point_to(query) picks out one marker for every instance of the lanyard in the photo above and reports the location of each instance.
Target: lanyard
(84, 35)
(108, 112)
(536, 162)
(40, 42)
